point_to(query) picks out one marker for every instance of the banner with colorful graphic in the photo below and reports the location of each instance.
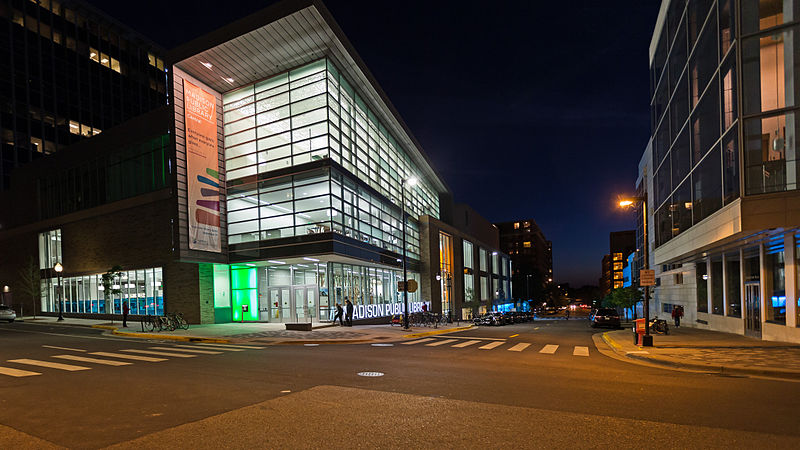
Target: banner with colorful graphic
(202, 168)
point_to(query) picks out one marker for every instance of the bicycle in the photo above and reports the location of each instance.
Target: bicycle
(177, 321)
(151, 323)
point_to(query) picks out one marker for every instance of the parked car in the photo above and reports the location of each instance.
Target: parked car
(605, 317)
(6, 313)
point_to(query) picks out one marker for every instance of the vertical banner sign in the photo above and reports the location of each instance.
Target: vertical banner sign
(202, 168)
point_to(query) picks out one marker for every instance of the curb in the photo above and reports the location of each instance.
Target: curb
(170, 337)
(727, 370)
(323, 341)
(431, 333)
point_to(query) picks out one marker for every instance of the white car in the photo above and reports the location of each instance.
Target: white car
(6, 313)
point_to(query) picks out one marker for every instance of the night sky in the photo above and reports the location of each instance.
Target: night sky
(530, 109)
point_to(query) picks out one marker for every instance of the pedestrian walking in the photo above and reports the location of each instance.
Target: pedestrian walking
(349, 307)
(125, 310)
(677, 313)
(339, 315)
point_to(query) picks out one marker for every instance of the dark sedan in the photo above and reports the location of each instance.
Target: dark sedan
(605, 317)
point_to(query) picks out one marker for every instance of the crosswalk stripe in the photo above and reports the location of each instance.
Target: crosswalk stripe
(214, 344)
(224, 349)
(64, 348)
(93, 360)
(549, 348)
(52, 365)
(173, 349)
(491, 345)
(16, 372)
(465, 344)
(150, 352)
(418, 341)
(580, 351)
(519, 347)
(132, 357)
(446, 341)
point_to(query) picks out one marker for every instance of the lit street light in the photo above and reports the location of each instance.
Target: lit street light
(647, 340)
(59, 268)
(411, 182)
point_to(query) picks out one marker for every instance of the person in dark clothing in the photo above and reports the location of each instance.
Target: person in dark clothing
(125, 310)
(339, 314)
(349, 307)
(677, 313)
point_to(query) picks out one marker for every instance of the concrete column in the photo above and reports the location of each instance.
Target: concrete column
(741, 282)
(762, 285)
(724, 285)
(790, 271)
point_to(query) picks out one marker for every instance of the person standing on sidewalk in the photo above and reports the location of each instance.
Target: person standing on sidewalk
(339, 314)
(125, 310)
(677, 313)
(349, 307)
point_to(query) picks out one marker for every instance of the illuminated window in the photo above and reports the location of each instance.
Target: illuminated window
(618, 284)
(617, 266)
(526, 224)
(155, 61)
(82, 130)
(526, 244)
(617, 256)
(516, 225)
(617, 275)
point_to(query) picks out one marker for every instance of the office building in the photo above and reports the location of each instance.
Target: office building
(621, 244)
(277, 182)
(723, 198)
(531, 257)
(70, 72)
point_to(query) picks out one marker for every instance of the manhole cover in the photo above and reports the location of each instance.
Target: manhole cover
(311, 345)
(370, 374)
(383, 345)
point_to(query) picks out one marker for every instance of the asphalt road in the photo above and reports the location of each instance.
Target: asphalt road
(541, 384)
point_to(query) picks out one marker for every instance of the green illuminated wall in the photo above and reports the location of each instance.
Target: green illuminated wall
(244, 292)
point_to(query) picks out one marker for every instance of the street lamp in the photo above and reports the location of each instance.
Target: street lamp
(647, 341)
(411, 182)
(59, 268)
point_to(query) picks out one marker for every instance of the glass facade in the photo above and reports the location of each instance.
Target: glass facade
(701, 274)
(49, 249)
(319, 201)
(775, 282)
(143, 289)
(694, 115)
(733, 290)
(312, 113)
(446, 271)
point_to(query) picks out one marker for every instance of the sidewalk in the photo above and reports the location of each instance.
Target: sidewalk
(272, 333)
(711, 351)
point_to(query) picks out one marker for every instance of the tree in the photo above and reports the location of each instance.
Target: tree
(108, 286)
(623, 298)
(30, 282)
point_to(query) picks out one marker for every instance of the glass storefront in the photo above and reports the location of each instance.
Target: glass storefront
(774, 280)
(733, 290)
(143, 289)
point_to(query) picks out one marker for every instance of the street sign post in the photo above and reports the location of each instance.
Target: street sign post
(647, 277)
(401, 286)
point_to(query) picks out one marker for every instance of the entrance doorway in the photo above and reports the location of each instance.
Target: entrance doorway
(290, 304)
(752, 309)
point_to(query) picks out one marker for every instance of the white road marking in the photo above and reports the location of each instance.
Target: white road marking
(465, 344)
(638, 353)
(16, 372)
(213, 344)
(204, 347)
(52, 365)
(133, 357)
(149, 352)
(173, 349)
(418, 341)
(580, 351)
(549, 349)
(491, 345)
(437, 343)
(519, 347)
(382, 345)
(64, 348)
(93, 360)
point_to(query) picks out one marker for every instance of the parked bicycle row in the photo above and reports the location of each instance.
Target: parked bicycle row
(170, 322)
(507, 318)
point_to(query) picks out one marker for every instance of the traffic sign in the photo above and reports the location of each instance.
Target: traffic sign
(401, 286)
(647, 277)
(412, 285)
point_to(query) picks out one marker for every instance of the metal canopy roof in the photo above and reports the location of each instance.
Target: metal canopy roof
(281, 37)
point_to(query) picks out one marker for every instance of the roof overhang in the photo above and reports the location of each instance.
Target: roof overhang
(283, 36)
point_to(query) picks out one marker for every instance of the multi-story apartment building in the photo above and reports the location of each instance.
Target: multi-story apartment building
(620, 244)
(277, 182)
(723, 198)
(531, 256)
(70, 72)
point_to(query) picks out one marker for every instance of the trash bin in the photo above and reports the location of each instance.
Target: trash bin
(638, 332)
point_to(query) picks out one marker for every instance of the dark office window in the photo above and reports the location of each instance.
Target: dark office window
(707, 184)
(677, 57)
(730, 166)
(701, 278)
(681, 208)
(705, 123)
(663, 182)
(726, 25)
(681, 157)
(679, 107)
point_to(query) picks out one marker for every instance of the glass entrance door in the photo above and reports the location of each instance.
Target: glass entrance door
(304, 303)
(752, 313)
